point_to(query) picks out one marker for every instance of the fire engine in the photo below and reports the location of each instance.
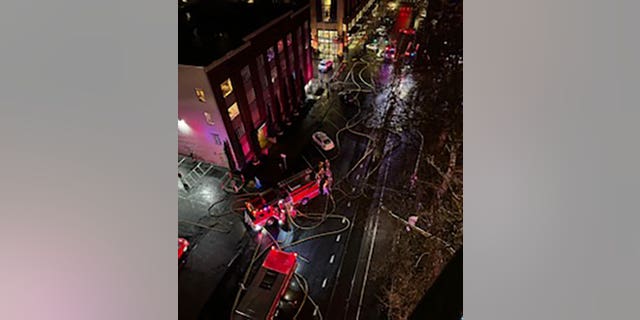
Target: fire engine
(301, 187)
(263, 295)
(274, 205)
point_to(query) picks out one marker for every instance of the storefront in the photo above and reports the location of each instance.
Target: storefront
(328, 47)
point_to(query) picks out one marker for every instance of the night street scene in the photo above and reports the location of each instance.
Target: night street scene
(320, 159)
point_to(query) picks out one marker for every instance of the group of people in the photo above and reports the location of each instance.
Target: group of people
(324, 178)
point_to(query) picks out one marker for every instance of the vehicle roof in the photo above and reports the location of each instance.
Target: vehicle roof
(280, 261)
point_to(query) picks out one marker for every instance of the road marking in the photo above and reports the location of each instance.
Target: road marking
(338, 238)
(324, 282)
(332, 257)
(319, 151)
(333, 124)
(307, 161)
(373, 241)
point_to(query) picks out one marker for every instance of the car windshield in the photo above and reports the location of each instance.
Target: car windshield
(327, 141)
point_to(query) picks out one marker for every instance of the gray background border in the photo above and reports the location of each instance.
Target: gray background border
(88, 135)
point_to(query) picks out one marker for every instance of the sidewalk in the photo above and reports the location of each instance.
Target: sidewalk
(214, 240)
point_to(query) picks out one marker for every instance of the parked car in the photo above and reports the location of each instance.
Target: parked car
(183, 246)
(323, 140)
(314, 90)
(325, 65)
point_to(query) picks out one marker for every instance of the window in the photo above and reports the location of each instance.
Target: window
(208, 117)
(233, 111)
(326, 10)
(268, 280)
(216, 139)
(239, 131)
(226, 87)
(280, 46)
(270, 54)
(246, 74)
(251, 95)
(200, 95)
(255, 112)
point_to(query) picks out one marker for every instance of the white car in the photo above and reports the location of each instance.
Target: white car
(313, 90)
(372, 46)
(323, 140)
(325, 65)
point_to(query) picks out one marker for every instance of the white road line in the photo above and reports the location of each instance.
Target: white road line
(333, 124)
(324, 282)
(333, 256)
(373, 241)
(320, 151)
(339, 115)
(338, 238)
(307, 161)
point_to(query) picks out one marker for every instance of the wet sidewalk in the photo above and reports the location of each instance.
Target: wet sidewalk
(215, 237)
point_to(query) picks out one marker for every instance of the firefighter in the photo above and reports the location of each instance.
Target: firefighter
(249, 206)
(320, 176)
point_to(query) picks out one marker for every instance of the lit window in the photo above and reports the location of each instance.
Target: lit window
(226, 88)
(200, 95)
(326, 8)
(208, 117)
(233, 111)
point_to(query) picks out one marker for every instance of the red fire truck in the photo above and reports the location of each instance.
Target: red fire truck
(275, 204)
(263, 210)
(301, 187)
(263, 295)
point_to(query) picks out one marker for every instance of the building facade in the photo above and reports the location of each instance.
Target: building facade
(230, 110)
(330, 22)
